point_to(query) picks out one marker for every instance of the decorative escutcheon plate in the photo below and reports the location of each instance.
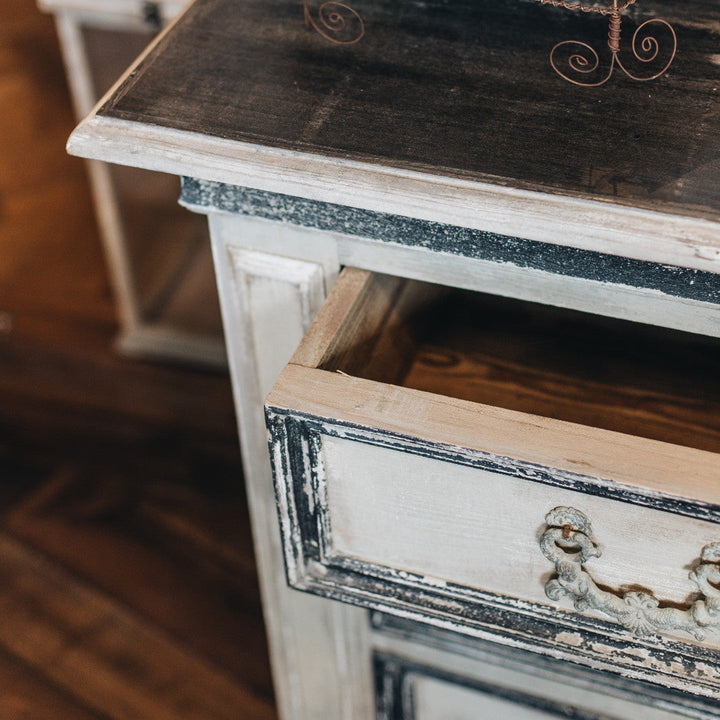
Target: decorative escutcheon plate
(568, 543)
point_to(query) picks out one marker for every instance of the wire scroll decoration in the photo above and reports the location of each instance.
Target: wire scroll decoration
(582, 60)
(336, 22)
(340, 23)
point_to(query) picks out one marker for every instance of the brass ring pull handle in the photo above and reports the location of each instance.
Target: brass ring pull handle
(568, 543)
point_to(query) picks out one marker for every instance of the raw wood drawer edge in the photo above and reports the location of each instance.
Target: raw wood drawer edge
(655, 467)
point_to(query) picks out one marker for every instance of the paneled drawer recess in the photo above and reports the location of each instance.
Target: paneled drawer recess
(537, 477)
(406, 690)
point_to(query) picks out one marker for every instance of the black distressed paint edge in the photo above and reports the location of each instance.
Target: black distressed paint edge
(527, 633)
(561, 260)
(387, 673)
(294, 550)
(522, 469)
(476, 613)
(529, 626)
(449, 641)
(393, 673)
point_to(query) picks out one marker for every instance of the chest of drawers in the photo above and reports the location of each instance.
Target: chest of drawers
(514, 372)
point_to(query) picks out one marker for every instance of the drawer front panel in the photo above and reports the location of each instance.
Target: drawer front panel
(436, 699)
(407, 690)
(451, 537)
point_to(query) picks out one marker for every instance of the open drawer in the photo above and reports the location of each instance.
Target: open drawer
(447, 456)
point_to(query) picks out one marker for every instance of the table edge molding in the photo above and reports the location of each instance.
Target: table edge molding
(610, 228)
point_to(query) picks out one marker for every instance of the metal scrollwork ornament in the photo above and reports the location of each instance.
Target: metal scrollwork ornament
(568, 543)
(582, 60)
(336, 22)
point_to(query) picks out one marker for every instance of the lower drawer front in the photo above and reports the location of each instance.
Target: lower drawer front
(436, 699)
(578, 542)
(407, 690)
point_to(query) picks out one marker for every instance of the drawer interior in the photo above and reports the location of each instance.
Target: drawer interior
(646, 381)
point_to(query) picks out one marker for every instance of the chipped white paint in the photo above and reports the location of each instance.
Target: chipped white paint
(468, 680)
(435, 582)
(434, 507)
(571, 639)
(703, 669)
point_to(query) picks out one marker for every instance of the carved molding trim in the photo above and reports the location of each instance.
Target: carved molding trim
(568, 543)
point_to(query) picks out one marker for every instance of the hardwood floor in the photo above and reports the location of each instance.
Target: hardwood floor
(127, 579)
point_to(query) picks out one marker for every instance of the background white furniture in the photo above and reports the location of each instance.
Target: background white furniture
(158, 255)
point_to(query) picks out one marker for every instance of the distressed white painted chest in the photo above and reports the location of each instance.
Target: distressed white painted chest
(495, 488)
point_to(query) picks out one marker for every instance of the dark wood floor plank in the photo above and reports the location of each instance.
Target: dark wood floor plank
(103, 653)
(82, 371)
(194, 576)
(127, 578)
(25, 695)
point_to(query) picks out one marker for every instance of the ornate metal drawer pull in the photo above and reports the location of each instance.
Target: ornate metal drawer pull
(568, 543)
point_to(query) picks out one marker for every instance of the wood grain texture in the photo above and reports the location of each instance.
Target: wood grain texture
(629, 378)
(549, 440)
(27, 696)
(462, 89)
(110, 659)
(669, 233)
(375, 548)
(478, 528)
(426, 505)
(540, 360)
(121, 495)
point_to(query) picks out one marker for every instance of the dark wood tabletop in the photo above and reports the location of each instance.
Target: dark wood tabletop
(462, 88)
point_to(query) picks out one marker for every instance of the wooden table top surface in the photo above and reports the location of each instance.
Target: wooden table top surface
(462, 88)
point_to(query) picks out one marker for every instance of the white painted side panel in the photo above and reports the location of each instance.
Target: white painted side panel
(284, 295)
(319, 649)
